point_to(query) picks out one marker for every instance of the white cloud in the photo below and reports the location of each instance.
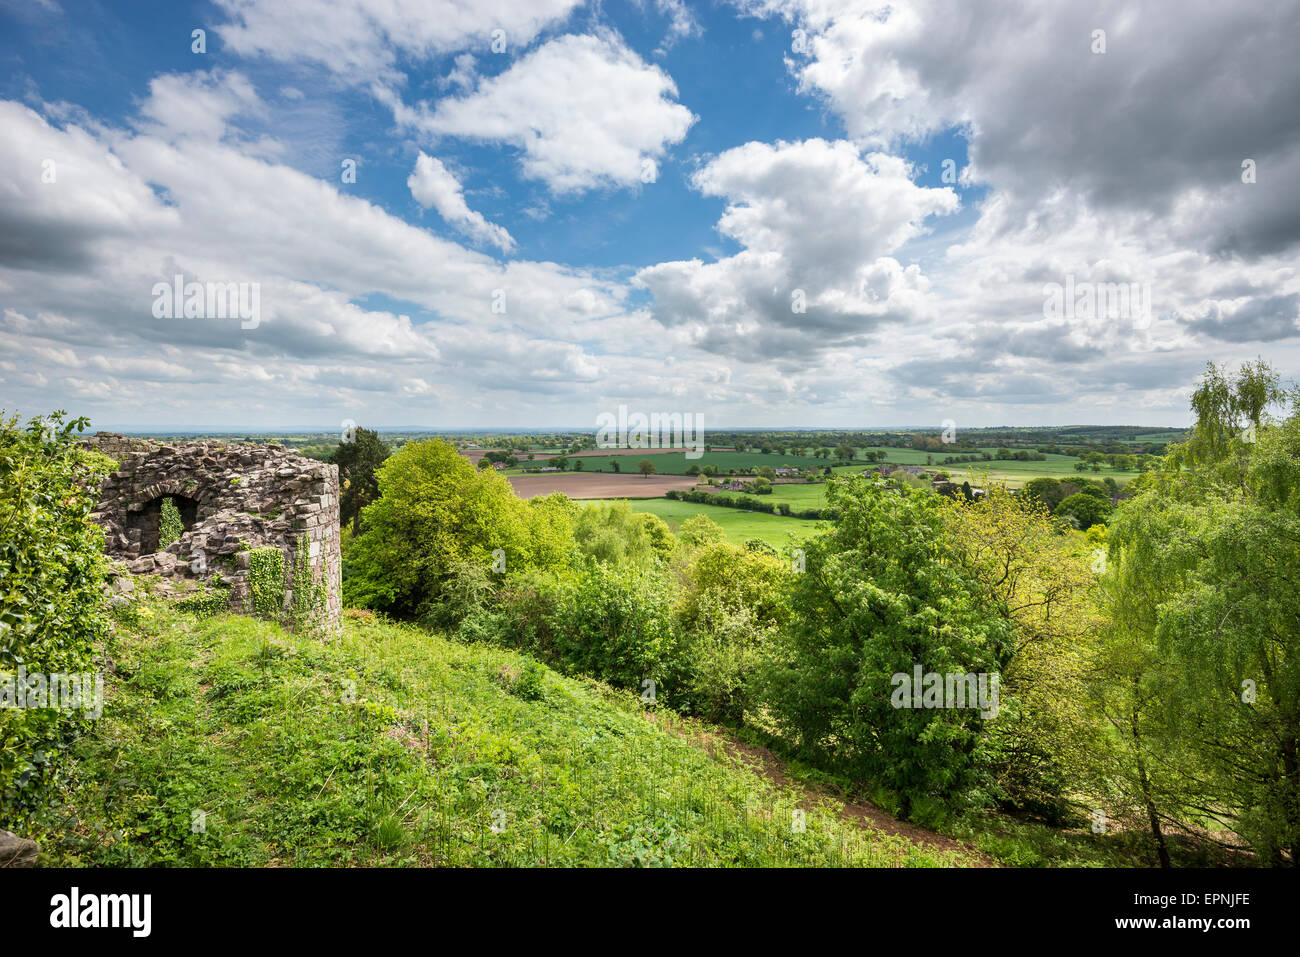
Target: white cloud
(198, 104)
(586, 111)
(433, 185)
(361, 40)
(1162, 121)
(818, 222)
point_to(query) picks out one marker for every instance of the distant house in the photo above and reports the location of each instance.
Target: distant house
(787, 471)
(498, 465)
(548, 468)
(734, 486)
(912, 471)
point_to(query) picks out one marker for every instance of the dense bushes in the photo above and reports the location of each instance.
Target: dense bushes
(881, 596)
(611, 622)
(52, 603)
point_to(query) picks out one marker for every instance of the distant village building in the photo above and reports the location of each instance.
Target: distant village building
(912, 471)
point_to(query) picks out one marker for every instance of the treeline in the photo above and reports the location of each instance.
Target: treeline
(749, 503)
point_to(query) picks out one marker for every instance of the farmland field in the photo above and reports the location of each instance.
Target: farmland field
(586, 485)
(1013, 472)
(738, 524)
(676, 462)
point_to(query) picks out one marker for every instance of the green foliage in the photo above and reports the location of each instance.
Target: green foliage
(881, 594)
(1044, 743)
(732, 601)
(53, 610)
(206, 603)
(266, 582)
(170, 526)
(436, 512)
(700, 530)
(611, 532)
(308, 593)
(358, 458)
(1084, 510)
(1203, 658)
(616, 624)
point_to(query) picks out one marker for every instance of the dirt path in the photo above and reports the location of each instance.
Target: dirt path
(766, 764)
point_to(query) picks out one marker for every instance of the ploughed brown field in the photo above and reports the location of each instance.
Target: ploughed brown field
(598, 484)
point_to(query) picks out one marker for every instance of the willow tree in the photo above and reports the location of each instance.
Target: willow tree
(1205, 601)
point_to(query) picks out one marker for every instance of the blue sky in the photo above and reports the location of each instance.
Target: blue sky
(737, 209)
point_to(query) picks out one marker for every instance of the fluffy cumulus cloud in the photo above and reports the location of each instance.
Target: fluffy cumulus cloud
(125, 210)
(433, 185)
(360, 40)
(1161, 121)
(1143, 164)
(818, 222)
(842, 282)
(585, 111)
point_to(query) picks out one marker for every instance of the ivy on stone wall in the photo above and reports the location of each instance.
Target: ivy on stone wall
(170, 526)
(275, 589)
(266, 582)
(308, 596)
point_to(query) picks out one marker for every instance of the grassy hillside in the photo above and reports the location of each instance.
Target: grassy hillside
(228, 742)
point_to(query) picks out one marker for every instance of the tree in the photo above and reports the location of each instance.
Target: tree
(434, 513)
(867, 610)
(1203, 597)
(700, 530)
(1084, 510)
(646, 467)
(1045, 739)
(614, 465)
(358, 461)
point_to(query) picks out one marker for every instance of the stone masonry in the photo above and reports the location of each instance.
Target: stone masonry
(232, 499)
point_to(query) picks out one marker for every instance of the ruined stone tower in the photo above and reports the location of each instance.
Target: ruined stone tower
(232, 499)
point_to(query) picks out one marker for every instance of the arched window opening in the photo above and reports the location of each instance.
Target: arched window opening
(155, 519)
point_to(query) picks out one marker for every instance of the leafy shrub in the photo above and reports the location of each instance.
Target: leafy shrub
(611, 532)
(1085, 509)
(700, 530)
(53, 610)
(206, 603)
(617, 624)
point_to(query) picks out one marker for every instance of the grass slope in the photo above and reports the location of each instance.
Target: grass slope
(228, 742)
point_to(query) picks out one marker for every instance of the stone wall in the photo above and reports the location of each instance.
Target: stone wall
(232, 498)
